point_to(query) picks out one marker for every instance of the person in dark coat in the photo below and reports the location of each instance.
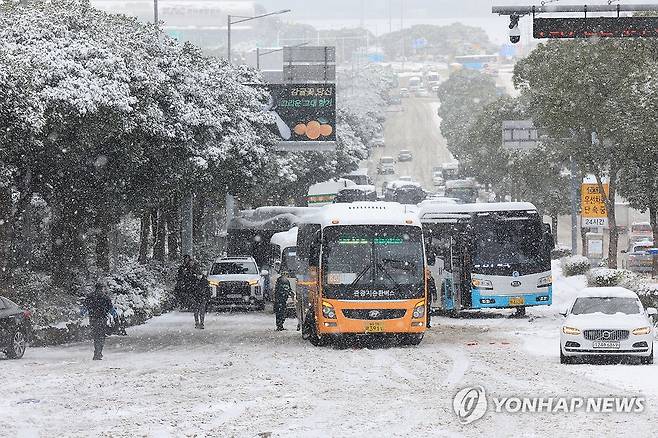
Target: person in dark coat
(200, 297)
(185, 282)
(431, 293)
(99, 305)
(282, 291)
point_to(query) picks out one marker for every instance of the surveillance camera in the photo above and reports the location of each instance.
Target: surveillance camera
(514, 32)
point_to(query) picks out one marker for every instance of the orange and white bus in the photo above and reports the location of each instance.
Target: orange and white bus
(362, 271)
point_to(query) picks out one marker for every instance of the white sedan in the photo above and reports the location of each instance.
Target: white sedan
(607, 321)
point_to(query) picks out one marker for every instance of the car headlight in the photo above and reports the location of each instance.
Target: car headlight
(419, 310)
(570, 330)
(482, 284)
(328, 310)
(253, 282)
(642, 331)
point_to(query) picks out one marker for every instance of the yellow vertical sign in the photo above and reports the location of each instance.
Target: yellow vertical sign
(592, 201)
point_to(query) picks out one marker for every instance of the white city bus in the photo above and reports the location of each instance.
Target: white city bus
(284, 262)
(495, 255)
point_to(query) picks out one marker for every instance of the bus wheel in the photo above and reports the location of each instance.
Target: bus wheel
(520, 312)
(316, 339)
(411, 339)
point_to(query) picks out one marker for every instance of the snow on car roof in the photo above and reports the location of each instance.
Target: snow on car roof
(235, 259)
(366, 213)
(613, 291)
(430, 209)
(285, 239)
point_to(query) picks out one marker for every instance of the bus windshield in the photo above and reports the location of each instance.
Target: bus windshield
(506, 244)
(366, 261)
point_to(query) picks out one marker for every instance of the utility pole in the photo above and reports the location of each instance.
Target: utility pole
(574, 207)
(156, 20)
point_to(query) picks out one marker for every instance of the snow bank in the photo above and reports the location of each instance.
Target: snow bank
(575, 265)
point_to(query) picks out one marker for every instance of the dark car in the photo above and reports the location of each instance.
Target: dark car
(405, 155)
(15, 329)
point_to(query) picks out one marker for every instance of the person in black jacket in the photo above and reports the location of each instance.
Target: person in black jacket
(431, 293)
(200, 297)
(185, 282)
(282, 291)
(99, 305)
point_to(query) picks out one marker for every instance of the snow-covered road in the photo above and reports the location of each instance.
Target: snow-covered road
(241, 378)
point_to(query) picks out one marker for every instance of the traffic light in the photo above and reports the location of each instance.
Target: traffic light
(514, 32)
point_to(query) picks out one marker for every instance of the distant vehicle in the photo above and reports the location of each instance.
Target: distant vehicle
(450, 170)
(236, 282)
(438, 200)
(639, 258)
(359, 177)
(356, 193)
(414, 83)
(640, 231)
(386, 166)
(323, 193)
(405, 155)
(404, 92)
(285, 262)
(432, 79)
(607, 322)
(377, 142)
(395, 99)
(462, 189)
(15, 329)
(406, 178)
(437, 177)
(404, 192)
(422, 92)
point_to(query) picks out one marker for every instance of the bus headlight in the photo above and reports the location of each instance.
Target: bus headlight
(253, 282)
(419, 310)
(545, 281)
(328, 310)
(482, 284)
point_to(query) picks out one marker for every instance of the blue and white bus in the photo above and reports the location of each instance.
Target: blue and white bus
(494, 255)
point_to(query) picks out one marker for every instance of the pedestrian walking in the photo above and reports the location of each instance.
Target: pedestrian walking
(431, 293)
(98, 305)
(282, 291)
(201, 296)
(185, 282)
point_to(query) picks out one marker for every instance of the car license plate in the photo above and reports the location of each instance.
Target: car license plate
(233, 296)
(516, 301)
(374, 327)
(606, 345)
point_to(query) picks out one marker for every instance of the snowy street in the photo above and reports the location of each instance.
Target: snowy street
(239, 377)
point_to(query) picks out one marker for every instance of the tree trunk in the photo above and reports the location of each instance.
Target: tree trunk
(5, 214)
(583, 240)
(103, 247)
(609, 199)
(653, 218)
(144, 235)
(198, 213)
(173, 231)
(160, 236)
(554, 225)
(67, 245)
(17, 222)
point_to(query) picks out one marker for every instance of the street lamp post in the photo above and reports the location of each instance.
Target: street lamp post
(267, 52)
(229, 22)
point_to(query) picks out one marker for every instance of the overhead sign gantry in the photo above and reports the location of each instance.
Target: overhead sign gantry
(586, 26)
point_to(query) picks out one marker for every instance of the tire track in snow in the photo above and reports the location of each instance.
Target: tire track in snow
(460, 364)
